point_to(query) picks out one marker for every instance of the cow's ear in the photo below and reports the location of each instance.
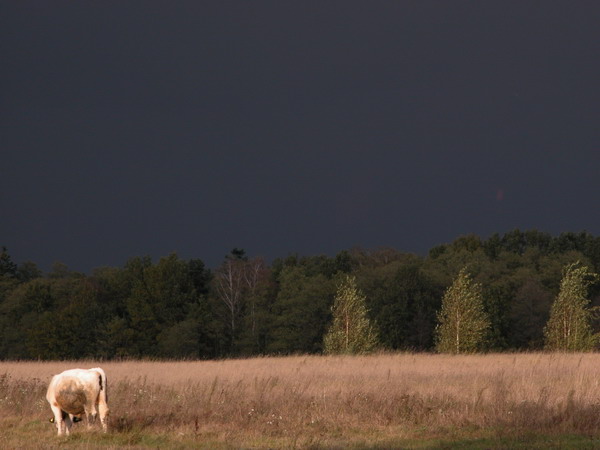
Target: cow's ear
(52, 420)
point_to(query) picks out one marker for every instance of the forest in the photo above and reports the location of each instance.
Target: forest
(181, 309)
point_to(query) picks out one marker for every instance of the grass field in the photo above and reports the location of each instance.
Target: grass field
(383, 401)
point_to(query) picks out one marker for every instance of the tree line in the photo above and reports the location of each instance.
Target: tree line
(176, 308)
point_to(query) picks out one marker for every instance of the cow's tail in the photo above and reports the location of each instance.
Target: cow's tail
(102, 397)
(102, 381)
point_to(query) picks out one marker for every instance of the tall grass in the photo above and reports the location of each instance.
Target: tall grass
(308, 400)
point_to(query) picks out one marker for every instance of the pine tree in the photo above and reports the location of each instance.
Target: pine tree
(351, 331)
(569, 326)
(462, 320)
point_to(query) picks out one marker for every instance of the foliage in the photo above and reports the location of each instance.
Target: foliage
(529, 315)
(237, 285)
(463, 323)
(403, 302)
(300, 312)
(7, 267)
(351, 331)
(569, 327)
(176, 308)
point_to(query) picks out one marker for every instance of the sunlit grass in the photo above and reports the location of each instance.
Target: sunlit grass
(387, 400)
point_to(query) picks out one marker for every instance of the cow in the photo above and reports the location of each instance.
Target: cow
(76, 392)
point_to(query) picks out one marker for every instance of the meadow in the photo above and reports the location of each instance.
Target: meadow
(524, 400)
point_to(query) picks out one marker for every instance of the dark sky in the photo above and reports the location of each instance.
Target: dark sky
(132, 128)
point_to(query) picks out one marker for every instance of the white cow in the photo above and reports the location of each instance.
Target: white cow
(76, 392)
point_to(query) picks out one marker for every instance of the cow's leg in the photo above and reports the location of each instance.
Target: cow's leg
(68, 419)
(90, 413)
(58, 418)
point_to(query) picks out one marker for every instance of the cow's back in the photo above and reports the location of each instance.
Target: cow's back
(73, 389)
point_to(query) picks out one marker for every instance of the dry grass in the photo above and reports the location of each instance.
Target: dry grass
(304, 401)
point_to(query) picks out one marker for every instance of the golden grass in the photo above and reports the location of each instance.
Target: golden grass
(328, 401)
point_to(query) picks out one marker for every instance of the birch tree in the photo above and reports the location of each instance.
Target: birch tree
(462, 320)
(569, 326)
(351, 331)
(230, 284)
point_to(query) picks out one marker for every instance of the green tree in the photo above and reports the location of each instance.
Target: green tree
(64, 321)
(260, 295)
(20, 312)
(300, 312)
(9, 279)
(143, 305)
(528, 315)
(351, 330)
(403, 302)
(569, 326)
(462, 320)
(7, 267)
